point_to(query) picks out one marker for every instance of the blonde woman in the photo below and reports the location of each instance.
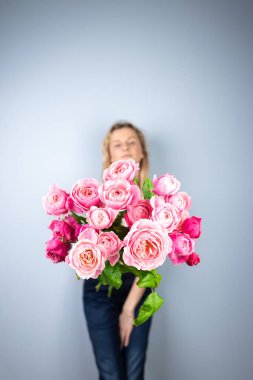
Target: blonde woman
(118, 346)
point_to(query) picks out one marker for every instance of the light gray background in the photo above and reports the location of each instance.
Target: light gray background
(181, 71)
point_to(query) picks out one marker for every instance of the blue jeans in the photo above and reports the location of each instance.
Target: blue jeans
(102, 316)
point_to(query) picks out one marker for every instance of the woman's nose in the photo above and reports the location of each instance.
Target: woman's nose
(125, 146)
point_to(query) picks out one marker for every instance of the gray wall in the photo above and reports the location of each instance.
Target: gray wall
(180, 70)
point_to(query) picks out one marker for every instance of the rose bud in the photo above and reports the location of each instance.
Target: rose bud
(193, 259)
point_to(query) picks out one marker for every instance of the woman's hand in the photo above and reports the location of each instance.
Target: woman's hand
(126, 320)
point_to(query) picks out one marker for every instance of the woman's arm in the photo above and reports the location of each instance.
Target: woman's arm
(126, 317)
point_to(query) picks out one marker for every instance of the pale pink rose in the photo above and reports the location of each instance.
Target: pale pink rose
(121, 169)
(182, 248)
(112, 245)
(74, 225)
(156, 201)
(83, 195)
(88, 232)
(167, 215)
(142, 210)
(101, 218)
(56, 250)
(54, 202)
(193, 259)
(118, 194)
(183, 215)
(62, 230)
(181, 200)
(192, 227)
(166, 184)
(147, 245)
(86, 258)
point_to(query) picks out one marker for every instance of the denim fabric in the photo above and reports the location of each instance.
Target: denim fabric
(102, 316)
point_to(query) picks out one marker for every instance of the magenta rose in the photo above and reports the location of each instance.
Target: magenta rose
(180, 199)
(101, 218)
(74, 225)
(182, 248)
(142, 210)
(118, 194)
(86, 258)
(192, 227)
(54, 202)
(121, 169)
(62, 230)
(83, 195)
(167, 215)
(147, 245)
(166, 184)
(193, 259)
(56, 250)
(112, 245)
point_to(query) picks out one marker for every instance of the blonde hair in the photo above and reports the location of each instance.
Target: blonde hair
(144, 163)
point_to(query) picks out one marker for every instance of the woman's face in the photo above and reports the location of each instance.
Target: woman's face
(125, 144)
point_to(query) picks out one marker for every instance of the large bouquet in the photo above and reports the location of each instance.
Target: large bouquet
(105, 230)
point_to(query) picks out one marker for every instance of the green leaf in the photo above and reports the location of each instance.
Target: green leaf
(125, 268)
(152, 303)
(78, 218)
(149, 279)
(147, 188)
(111, 275)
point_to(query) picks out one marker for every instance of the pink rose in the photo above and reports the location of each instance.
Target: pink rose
(180, 199)
(147, 245)
(74, 225)
(156, 201)
(119, 194)
(83, 195)
(54, 202)
(88, 232)
(182, 248)
(101, 218)
(183, 215)
(192, 227)
(166, 184)
(86, 258)
(167, 215)
(193, 259)
(142, 210)
(61, 230)
(56, 250)
(121, 169)
(112, 245)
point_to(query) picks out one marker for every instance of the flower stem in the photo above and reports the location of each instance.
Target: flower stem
(110, 290)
